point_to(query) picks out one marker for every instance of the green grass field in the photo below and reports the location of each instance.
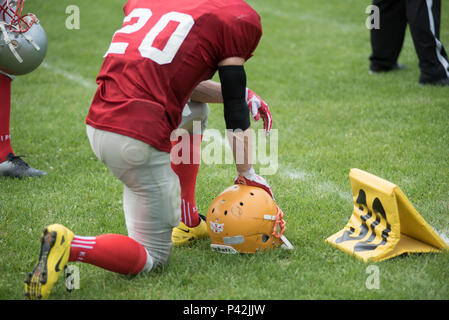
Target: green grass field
(331, 115)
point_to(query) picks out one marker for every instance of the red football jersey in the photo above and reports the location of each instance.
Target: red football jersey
(164, 49)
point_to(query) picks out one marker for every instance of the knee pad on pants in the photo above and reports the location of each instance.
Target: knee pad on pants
(151, 196)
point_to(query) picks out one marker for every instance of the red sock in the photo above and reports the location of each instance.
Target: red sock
(5, 112)
(113, 252)
(187, 172)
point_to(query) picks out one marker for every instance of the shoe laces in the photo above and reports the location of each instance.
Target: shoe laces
(17, 160)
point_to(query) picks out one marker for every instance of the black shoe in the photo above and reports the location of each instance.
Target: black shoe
(397, 66)
(15, 167)
(441, 82)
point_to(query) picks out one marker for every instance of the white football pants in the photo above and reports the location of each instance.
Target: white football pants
(151, 195)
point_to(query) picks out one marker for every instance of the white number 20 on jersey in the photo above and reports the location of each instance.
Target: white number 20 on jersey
(146, 48)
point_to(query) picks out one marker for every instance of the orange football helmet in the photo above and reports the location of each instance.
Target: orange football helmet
(245, 219)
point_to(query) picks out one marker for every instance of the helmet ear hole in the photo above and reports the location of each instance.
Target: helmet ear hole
(226, 212)
(241, 203)
(265, 238)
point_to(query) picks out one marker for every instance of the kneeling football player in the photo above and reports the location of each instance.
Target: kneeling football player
(149, 73)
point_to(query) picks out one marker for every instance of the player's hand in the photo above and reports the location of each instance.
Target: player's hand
(259, 108)
(250, 178)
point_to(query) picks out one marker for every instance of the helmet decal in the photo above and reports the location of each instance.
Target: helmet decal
(216, 227)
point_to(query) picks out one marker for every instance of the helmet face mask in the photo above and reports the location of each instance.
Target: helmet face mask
(23, 42)
(11, 13)
(244, 219)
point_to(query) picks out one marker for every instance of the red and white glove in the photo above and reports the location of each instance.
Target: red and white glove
(250, 178)
(259, 108)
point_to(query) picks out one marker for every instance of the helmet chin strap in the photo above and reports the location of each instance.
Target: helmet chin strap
(31, 41)
(279, 228)
(286, 244)
(279, 224)
(9, 42)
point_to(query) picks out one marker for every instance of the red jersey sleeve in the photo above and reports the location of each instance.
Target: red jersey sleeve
(240, 33)
(236, 31)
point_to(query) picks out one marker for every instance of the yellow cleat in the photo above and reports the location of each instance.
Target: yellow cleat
(54, 255)
(184, 235)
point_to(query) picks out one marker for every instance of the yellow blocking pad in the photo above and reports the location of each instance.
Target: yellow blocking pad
(384, 223)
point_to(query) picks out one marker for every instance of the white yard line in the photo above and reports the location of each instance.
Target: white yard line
(313, 181)
(89, 84)
(311, 178)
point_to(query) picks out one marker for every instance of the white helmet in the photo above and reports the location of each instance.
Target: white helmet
(23, 42)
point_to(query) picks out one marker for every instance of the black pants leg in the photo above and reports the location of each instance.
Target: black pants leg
(424, 19)
(386, 42)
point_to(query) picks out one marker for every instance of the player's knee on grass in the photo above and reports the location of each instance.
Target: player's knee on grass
(159, 250)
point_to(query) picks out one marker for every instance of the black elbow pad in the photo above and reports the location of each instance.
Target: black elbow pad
(233, 87)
